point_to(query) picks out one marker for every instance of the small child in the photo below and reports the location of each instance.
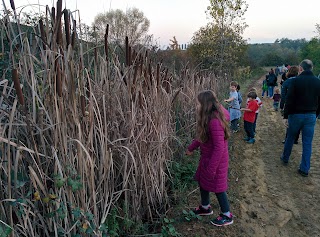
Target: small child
(257, 112)
(234, 106)
(240, 101)
(264, 86)
(249, 116)
(276, 99)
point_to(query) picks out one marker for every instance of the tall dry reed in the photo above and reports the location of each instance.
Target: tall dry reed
(90, 134)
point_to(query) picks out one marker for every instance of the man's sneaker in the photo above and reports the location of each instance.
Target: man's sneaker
(202, 211)
(302, 173)
(235, 131)
(222, 220)
(284, 162)
(251, 141)
(246, 139)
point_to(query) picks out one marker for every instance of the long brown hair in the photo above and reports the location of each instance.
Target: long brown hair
(209, 108)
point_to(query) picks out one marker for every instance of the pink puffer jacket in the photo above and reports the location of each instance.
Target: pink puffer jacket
(212, 172)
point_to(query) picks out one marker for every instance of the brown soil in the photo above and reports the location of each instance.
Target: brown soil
(266, 198)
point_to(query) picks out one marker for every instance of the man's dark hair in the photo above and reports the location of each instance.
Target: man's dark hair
(306, 65)
(252, 95)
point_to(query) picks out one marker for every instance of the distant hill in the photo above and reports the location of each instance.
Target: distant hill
(283, 51)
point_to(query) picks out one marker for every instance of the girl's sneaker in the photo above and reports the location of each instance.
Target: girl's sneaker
(222, 220)
(202, 211)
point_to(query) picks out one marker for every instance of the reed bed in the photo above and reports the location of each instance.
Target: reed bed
(86, 138)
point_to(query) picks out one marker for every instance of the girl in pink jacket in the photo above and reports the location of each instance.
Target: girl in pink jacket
(211, 136)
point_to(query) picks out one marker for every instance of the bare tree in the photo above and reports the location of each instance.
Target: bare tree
(131, 23)
(174, 43)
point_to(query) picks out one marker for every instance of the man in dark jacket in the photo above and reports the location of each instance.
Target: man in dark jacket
(302, 106)
(271, 82)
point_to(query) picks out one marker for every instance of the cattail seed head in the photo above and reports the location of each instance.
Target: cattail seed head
(127, 51)
(67, 25)
(12, 5)
(17, 86)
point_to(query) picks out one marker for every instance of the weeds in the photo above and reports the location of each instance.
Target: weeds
(168, 229)
(190, 215)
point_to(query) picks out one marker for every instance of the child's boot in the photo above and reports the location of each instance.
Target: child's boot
(251, 141)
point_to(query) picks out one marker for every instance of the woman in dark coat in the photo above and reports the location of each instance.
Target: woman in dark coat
(271, 82)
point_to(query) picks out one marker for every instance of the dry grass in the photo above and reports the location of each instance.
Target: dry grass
(81, 139)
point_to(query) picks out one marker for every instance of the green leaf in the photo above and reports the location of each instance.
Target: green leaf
(90, 216)
(4, 232)
(76, 213)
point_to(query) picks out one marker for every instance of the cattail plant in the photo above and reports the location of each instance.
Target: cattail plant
(17, 86)
(106, 42)
(67, 26)
(92, 152)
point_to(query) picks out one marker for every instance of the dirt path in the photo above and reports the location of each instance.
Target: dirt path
(267, 198)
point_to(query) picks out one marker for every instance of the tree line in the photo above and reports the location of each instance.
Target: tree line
(219, 46)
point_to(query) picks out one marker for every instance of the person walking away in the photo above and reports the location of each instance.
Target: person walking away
(212, 135)
(264, 87)
(276, 99)
(283, 78)
(271, 82)
(302, 106)
(277, 71)
(249, 116)
(234, 106)
(292, 72)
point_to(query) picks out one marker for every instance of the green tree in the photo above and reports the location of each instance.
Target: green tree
(312, 52)
(131, 23)
(220, 44)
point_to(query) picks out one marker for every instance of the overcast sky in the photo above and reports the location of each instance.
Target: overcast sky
(267, 19)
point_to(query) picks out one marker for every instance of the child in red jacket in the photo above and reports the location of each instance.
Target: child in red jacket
(250, 116)
(212, 132)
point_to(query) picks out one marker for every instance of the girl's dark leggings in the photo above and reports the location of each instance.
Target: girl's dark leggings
(222, 199)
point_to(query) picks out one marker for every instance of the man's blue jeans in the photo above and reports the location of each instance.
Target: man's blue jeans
(270, 91)
(305, 123)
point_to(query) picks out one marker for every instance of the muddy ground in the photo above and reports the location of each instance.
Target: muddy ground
(266, 198)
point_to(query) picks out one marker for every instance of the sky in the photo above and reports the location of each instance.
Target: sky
(268, 20)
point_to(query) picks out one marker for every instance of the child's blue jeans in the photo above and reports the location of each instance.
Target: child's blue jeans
(248, 127)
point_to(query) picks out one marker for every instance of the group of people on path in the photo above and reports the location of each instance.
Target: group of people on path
(300, 103)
